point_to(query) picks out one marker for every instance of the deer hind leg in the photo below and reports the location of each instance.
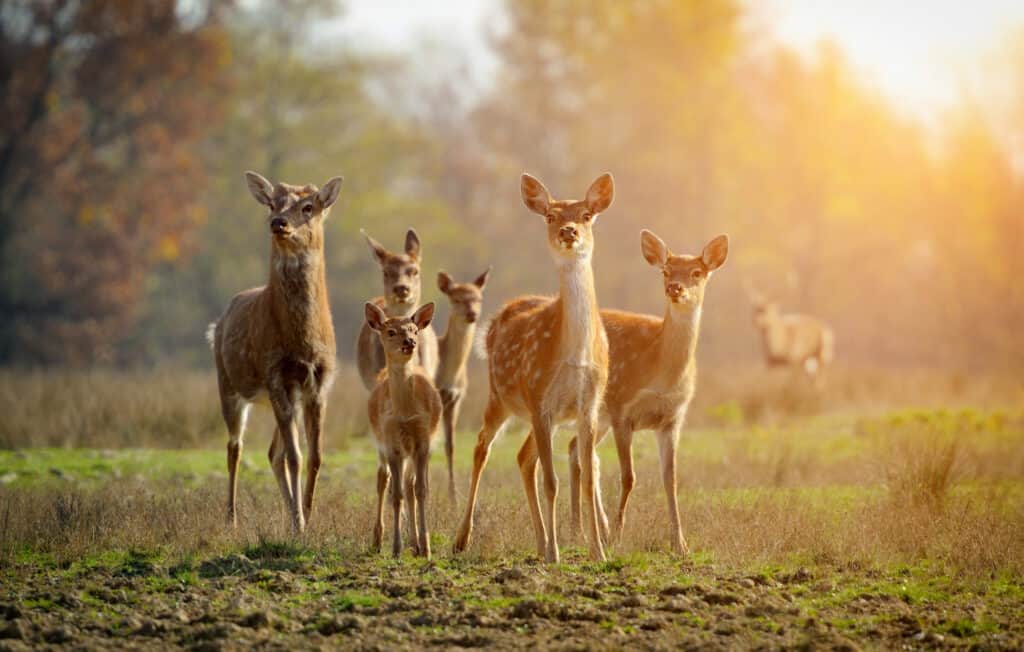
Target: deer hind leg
(383, 478)
(395, 465)
(314, 414)
(235, 410)
(450, 416)
(527, 459)
(410, 506)
(627, 476)
(422, 494)
(276, 457)
(667, 438)
(543, 432)
(494, 418)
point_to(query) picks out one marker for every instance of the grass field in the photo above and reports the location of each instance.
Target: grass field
(843, 519)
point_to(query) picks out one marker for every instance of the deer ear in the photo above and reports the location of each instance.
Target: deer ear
(412, 244)
(260, 188)
(375, 317)
(481, 280)
(443, 282)
(423, 316)
(535, 195)
(715, 252)
(329, 193)
(379, 252)
(653, 248)
(601, 193)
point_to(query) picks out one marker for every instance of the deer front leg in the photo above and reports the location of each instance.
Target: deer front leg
(422, 491)
(627, 477)
(588, 463)
(494, 417)
(450, 415)
(276, 457)
(527, 459)
(314, 413)
(543, 431)
(383, 478)
(410, 507)
(284, 412)
(575, 512)
(395, 465)
(667, 438)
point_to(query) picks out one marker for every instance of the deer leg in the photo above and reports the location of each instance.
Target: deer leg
(494, 418)
(284, 411)
(396, 464)
(575, 513)
(422, 491)
(543, 431)
(588, 462)
(383, 477)
(667, 438)
(627, 477)
(410, 507)
(314, 413)
(234, 411)
(527, 459)
(276, 456)
(449, 416)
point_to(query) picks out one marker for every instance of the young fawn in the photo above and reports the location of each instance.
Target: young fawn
(454, 347)
(276, 342)
(653, 373)
(796, 341)
(548, 362)
(404, 411)
(401, 298)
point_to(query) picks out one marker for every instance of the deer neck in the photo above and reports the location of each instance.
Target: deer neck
(455, 347)
(579, 315)
(403, 402)
(298, 291)
(677, 341)
(398, 310)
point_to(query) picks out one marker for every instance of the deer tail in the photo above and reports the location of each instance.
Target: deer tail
(211, 333)
(480, 337)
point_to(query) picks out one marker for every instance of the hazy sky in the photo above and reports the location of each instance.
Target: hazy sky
(917, 51)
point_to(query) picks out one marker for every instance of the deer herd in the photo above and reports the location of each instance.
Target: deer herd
(551, 361)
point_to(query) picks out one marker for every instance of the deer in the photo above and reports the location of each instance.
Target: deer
(401, 273)
(653, 375)
(275, 343)
(454, 347)
(404, 410)
(792, 340)
(548, 362)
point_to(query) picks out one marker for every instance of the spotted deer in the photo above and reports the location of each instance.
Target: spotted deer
(276, 342)
(454, 347)
(653, 374)
(401, 273)
(404, 410)
(548, 362)
(796, 341)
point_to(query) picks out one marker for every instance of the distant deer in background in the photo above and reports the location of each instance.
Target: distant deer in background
(791, 340)
(404, 410)
(653, 373)
(548, 362)
(276, 342)
(401, 274)
(454, 347)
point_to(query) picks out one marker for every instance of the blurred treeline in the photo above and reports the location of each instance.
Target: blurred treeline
(125, 127)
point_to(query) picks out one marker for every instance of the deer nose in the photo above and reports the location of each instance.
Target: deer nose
(568, 232)
(674, 290)
(401, 291)
(278, 225)
(409, 343)
(471, 317)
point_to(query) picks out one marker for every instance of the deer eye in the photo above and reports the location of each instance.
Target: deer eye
(586, 217)
(392, 332)
(307, 209)
(697, 274)
(412, 271)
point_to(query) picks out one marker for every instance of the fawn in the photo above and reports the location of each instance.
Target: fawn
(797, 341)
(548, 362)
(653, 373)
(404, 410)
(454, 347)
(276, 342)
(401, 298)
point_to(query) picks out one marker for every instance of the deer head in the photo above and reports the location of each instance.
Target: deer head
(466, 298)
(685, 277)
(569, 222)
(297, 213)
(766, 311)
(399, 335)
(401, 271)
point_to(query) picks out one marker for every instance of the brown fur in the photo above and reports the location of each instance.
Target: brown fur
(548, 362)
(404, 410)
(402, 283)
(653, 373)
(277, 341)
(453, 348)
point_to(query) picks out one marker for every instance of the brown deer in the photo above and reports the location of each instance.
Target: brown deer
(796, 341)
(276, 342)
(404, 410)
(653, 373)
(454, 347)
(548, 362)
(401, 274)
